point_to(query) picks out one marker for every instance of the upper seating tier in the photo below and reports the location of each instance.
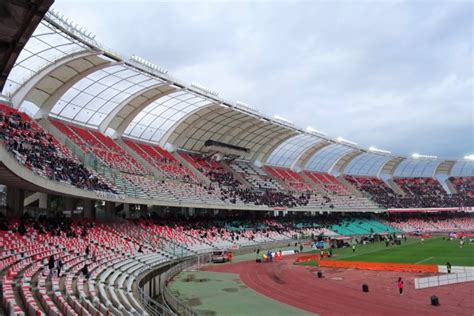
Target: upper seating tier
(105, 148)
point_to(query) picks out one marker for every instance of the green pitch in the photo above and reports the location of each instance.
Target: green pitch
(432, 251)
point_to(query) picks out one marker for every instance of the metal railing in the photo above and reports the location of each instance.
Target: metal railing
(170, 299)
(153, 307)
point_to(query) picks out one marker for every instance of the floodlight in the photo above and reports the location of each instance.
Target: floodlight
(343, 140)
(381, 151)
(419, 156)
(312, 130)
(282, 119)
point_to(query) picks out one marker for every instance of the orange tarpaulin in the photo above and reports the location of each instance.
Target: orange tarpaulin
(379, 266)
(307, 258)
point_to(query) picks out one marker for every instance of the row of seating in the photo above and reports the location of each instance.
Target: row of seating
(290, 178)
(24, 265)
(180, 184)
(43, 154)
(257, 177)
(104, 148)
(327, 183)
(463, 185)
(162, 160)
(437, 223)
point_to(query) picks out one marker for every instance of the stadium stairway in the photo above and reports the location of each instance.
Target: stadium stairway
(395, 187)
(380, 227)
(348, 228)
(315, 187)
(204, 180)
(352, 189)
(236, 175)
(137, 157)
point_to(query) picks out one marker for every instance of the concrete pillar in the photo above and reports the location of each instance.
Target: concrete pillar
(126, 210)
(110, 207)
(43, 200)
(15, 201)
(69, 203)
(89, 209)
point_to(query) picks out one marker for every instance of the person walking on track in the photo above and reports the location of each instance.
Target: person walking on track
(400, 285)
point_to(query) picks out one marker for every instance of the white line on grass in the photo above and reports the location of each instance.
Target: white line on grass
(427, 259)
(376, 250)
(361, 254)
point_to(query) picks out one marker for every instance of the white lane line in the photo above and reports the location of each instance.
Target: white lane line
(424, 260)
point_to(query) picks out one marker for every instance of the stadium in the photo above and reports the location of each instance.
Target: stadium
(124, 188)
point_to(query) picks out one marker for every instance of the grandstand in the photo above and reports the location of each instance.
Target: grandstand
(117, 168)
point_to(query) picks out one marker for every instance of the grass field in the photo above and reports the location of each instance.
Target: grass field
(432, 251)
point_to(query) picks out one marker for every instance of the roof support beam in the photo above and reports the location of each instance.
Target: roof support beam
(337, 160)
(107, 122)
(444, 168)
(390, 166)
(21, 93)
(435, 169)
(191, 122)
(264, 151)
(48, 105)
(304, 156)
(171, 137)
(129, 118)
(308, 153)
(343, 161)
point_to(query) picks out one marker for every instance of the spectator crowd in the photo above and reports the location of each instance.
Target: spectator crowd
(38, 151)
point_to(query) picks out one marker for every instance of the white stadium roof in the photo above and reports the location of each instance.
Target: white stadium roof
(64, 73)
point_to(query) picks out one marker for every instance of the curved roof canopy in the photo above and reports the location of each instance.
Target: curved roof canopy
(228, 125)
(64, 73)
(90, 100)
(45, 46)
(156, 119)
(324, 159)
(366, 164)
(291, 149)
(417, 168)
(463, 168)
(18, 21)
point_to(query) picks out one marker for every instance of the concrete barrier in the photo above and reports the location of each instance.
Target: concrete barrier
(457, 275)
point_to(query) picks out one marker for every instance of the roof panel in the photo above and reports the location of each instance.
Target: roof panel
(324, 158)
(162, 113)
(45, 46)
(463, 168)
(366, 164)
(416, 168)
(288, 151)
(100, 93)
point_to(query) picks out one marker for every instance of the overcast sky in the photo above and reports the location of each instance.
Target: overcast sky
(391, 74)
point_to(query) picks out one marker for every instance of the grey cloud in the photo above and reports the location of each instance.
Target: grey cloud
(397, 75)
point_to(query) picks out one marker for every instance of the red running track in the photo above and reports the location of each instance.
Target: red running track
(339, 292)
